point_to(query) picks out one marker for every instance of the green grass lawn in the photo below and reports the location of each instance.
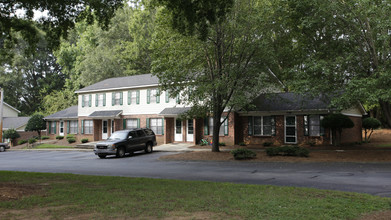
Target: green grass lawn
(99, 197)
(51, 146)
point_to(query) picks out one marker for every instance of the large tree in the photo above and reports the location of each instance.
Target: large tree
(342, 49)
(26, 76)
(18, 15)
(219, 73)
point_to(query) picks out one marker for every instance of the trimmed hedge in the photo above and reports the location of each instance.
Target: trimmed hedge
(59, 137)
(71, 140)
(70, 136)
(242, 154)
(84, 140)
(22, 142)
(294, 151)
(45, 137)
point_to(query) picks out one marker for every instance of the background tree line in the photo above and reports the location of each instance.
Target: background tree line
(229, 49)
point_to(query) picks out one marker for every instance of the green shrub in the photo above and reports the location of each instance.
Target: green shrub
(22, 142)
(242, 154)
(369, 124)
(70, 136)
(267, 144)
(71, 140)
(59, 137)
(84, 140)
(242, 144)
(221, 144)
(287, 151)
(272, 151)
(32, 140)
(45, 137)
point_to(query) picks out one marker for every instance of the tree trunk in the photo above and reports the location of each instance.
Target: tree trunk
(386, 108)
(334, 137)
(216, 131)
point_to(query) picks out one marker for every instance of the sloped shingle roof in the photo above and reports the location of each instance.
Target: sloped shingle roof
(121, 83)
(70, 112)
(112, 113)
(14, 122)
(289, 102)
(174, 111)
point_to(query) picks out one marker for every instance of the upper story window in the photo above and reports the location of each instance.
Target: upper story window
(312, 125)
(86, 100)
(134, 97)
(117, 98)
(100, 99)
(153, 96)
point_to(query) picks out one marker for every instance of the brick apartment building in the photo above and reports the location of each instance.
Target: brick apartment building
(135, 101)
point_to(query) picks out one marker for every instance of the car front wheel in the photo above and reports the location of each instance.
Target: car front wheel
(2, 148)
(120, 152)
(148, 148)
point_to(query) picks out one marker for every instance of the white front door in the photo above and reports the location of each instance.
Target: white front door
(61, 128)
(190, 131)
(178, 130)
(104, 129)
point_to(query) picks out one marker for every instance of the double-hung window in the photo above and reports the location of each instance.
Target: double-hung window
(153, 96)
(262, 125)
(156, 124)
(73, 127)
(117, 98)
(88, 126)
(100, 99)
(312, 125)
(132, 123)
(223, 131)
(53, 127)
(133, 97)
(86, 100)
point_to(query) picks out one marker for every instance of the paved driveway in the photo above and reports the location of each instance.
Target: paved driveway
(373, 178)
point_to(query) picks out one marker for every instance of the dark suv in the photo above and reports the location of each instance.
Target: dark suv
(126, 141)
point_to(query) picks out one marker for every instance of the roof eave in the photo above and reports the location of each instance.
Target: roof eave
(116, 89)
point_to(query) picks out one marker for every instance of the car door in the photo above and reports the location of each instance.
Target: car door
(133, 141)
(143, 139)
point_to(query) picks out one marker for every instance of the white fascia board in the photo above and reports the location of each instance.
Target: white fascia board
(353, 115)
(11, 107)
(116, 89)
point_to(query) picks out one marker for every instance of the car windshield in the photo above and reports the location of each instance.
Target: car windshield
(118, 136)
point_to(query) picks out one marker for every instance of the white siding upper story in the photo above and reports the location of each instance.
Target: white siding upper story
(9, 111)
(142, 108)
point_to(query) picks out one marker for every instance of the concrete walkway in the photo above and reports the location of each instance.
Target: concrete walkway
(176, 147)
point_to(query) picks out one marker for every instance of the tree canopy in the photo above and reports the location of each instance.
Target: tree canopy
(36, 123)
(219, 73)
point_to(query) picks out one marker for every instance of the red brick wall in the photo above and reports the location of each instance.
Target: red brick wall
(25, 135)
(351, 135)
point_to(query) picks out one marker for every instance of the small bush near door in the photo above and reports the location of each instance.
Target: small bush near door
(22, 142)
(84, 140)
(59, 137)
(71, 140)
(242, 154)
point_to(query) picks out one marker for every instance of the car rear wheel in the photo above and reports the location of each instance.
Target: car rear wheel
(2, 148)
(102, 156)
(148, 148)
(120, 152)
